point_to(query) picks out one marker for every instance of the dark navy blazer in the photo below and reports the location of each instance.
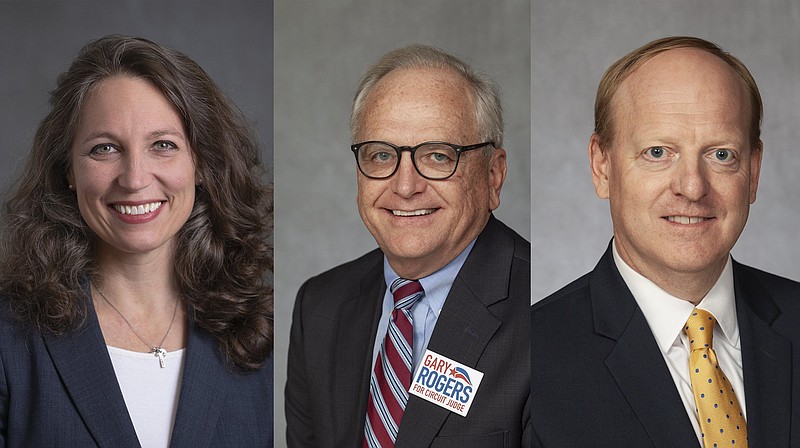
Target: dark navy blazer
(62, 392)
(484, 324)
(600, 380)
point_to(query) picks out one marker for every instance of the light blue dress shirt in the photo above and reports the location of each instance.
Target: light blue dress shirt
(426, 311)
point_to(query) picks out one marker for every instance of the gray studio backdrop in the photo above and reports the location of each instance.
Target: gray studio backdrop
(321, 50)
(231, 40)
(575, 41)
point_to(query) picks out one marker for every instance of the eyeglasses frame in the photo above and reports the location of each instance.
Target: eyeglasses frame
(413, 149)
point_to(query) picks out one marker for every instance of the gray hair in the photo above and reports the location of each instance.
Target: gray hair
(488, 109)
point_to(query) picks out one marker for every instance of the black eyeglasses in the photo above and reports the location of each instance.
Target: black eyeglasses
(432, 160)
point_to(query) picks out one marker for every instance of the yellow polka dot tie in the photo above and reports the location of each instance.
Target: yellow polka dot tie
(721, 419)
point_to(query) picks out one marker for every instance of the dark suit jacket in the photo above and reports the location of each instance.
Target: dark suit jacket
(484, 324)
(62, 391)
(599, 379)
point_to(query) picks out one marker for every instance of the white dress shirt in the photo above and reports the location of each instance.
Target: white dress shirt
(666, 315)
(424, 313)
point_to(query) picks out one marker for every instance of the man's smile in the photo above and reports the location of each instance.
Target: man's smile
(420, 212)
(686, 219)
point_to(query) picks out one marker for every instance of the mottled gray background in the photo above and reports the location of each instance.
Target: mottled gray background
(575, 41)
(231, 40)
(321, 50)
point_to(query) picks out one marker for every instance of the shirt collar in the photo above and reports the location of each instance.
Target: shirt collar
(666, 314)
(721, 303)
(436, 285)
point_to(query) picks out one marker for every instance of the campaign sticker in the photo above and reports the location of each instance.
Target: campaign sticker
(446, 383)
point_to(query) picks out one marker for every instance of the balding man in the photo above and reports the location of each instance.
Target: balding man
(425, 341)
(669, 342)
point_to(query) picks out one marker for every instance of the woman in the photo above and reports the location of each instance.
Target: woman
(136, 264)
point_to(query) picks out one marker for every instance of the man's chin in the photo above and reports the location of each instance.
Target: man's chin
(691, 260)
(406, 254)
(413, 261)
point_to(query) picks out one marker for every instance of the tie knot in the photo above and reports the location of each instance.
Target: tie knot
(700, 329)
(405, 293)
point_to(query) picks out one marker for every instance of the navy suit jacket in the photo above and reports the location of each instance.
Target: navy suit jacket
(484, 324)
(599, 379)
(62, 392)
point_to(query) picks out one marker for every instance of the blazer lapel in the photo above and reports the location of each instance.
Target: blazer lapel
(464, 328)
(636, 362)
(767, 363)
(85, 368)
(352, 361)
(203, 389)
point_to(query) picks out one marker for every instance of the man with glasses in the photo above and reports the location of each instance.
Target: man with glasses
(425, 340)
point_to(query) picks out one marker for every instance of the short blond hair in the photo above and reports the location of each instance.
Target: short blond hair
(620, 70)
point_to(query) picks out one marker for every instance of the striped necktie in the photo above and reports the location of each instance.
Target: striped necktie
(718, 410)
(391, 378)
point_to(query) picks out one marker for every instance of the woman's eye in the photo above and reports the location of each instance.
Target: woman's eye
(103, 149)
(165, 145)
(656, 152)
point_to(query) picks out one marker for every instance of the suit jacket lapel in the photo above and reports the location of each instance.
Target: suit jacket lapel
(636, 362)
(203, 388)
(465, 326)
(767, 363)
(352, 361)
(84, 366)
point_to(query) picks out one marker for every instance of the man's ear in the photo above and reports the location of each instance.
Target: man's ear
(497, 175)
(756, 152)
(598, 159)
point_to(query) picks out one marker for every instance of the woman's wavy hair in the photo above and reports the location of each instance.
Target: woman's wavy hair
(224, 253)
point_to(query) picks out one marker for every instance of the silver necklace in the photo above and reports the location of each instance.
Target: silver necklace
(157, 350)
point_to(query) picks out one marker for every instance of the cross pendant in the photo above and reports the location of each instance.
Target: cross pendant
(159, 353)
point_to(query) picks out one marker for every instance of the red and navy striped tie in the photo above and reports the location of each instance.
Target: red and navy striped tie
(391, 378)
